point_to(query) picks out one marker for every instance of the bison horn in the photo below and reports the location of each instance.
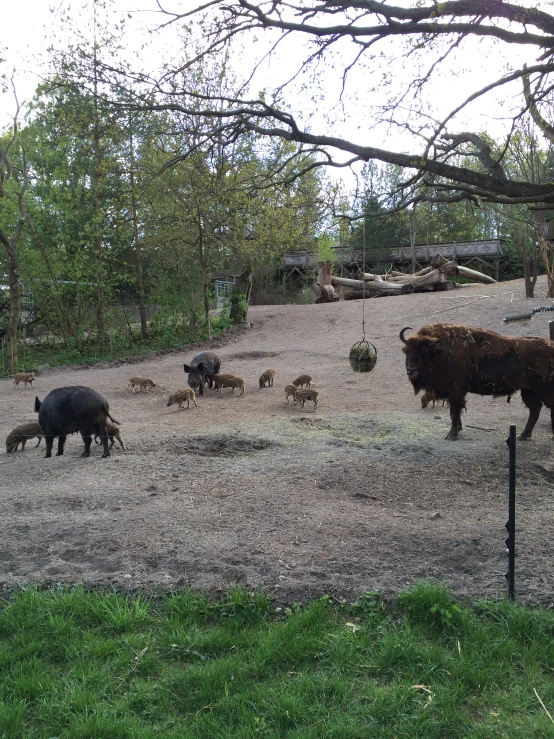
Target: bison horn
(406, 328)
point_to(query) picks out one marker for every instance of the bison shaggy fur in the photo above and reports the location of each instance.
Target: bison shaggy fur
(450, 360)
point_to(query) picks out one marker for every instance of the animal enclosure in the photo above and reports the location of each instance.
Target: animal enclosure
(363, 494)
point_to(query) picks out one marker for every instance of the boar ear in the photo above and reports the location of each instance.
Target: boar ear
(186, 368)
(200, 366)
(37, 404)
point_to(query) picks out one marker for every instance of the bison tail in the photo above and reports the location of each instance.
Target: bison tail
(38, 403)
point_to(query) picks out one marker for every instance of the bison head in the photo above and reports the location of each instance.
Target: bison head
(420, 356)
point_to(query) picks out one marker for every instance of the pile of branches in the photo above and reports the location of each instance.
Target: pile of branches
(429, 279)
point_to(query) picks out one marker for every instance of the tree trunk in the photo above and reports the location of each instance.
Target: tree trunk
(100, 319)
(413, 239)
(66, 323)
(206, 299)
(324, 272)
(546, 249)
(529, 261)
(7, 172)
(327, 294)
(10, 340)
(431, 278)
(377, 284)
(360, 294)
(324, 288)
(242, 288)
(138, 252)
(471, 274)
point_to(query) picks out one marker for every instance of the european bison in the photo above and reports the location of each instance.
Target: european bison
(69, 409)
(202, 366)
(451, 360)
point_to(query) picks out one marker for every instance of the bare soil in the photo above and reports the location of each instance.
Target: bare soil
(363, 494)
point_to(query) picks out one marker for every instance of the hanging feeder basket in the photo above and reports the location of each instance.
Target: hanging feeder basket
(363, 356)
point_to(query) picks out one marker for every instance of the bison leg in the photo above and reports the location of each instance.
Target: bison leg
(456, 407)
(534, 404)
(61, 444)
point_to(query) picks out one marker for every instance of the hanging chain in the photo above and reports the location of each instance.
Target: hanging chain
(363, 286)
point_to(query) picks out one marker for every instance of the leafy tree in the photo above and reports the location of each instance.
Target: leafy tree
(81, 204)
(14, 181)
(422, 43)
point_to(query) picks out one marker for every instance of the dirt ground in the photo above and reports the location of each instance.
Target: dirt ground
(365, 494)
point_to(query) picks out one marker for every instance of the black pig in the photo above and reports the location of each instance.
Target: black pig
(200, 370)
(69, 409)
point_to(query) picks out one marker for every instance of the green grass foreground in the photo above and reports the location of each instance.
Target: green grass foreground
(75, 663)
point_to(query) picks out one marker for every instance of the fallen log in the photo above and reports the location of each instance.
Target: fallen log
(327, 294)
(471, 274)
(377, 284)
(361, 294)
(467, 284)
(431, 278)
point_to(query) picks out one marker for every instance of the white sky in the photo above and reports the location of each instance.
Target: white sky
(29, 27)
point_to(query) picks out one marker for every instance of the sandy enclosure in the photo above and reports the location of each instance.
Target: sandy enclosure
(364, 494)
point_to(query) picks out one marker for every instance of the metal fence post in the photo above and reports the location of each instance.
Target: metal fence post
(511, 525)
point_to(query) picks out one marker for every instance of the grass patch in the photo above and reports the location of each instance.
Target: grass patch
(75, 663)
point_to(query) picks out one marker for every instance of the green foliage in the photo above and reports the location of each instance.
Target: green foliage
(512, 266)
(238, 306)
(105, 199)
(79, 663)
(325, 248)
(167, 326)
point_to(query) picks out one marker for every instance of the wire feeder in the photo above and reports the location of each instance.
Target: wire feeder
(363, 356)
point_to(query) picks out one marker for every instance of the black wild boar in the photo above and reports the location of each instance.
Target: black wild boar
(202, 366)
(69, 409)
